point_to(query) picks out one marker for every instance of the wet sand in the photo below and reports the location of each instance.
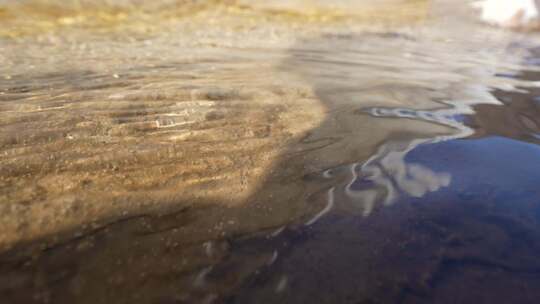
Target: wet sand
(142, 121)
(263, 152)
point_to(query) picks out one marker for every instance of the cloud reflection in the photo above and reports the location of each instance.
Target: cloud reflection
(386, 175)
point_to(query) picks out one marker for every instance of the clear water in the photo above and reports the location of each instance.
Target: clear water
(267, 152)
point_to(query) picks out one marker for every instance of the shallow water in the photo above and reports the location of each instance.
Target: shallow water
(267, 152)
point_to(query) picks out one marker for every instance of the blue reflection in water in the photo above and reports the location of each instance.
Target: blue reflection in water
(510, 166)
(505, 167)
(387, 174)
(461, 209)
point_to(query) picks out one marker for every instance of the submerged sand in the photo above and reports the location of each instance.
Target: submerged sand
(112, 110)
(135, 135)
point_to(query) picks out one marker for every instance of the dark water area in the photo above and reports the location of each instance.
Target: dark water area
(474, 238)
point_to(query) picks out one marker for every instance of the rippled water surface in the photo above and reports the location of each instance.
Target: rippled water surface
(266, 152)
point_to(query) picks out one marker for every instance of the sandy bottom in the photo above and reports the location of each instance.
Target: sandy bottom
(263, 152)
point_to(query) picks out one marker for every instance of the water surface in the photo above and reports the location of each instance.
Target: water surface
(267, 152)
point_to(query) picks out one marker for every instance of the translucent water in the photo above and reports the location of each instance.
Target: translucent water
(266, 152)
